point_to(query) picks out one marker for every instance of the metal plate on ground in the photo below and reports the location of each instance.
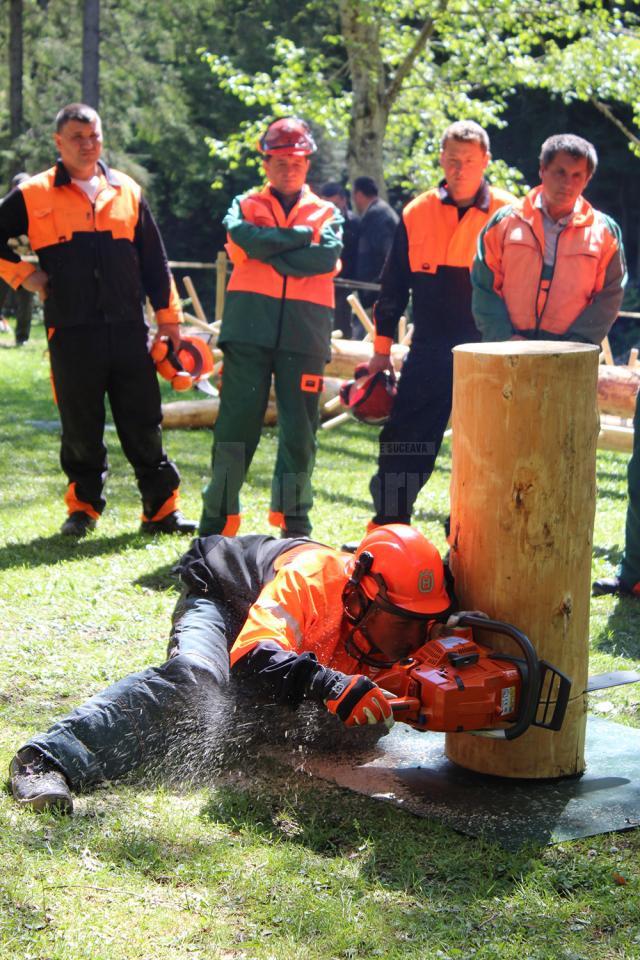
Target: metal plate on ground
(410, 770)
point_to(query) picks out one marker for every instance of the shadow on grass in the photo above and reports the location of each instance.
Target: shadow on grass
(46, 551)
(622, 637)
(161, 579)
(436, 515)
(613, 554)
(608, 493)
(401, 850)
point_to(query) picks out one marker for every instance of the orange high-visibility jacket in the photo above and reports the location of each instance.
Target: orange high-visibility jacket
(432, 254)
(280, 293)
(579, 300)
(301, 611)
(101, 258)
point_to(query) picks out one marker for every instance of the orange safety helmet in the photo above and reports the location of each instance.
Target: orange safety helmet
(192, 361)
(288, 137)
(398, 569)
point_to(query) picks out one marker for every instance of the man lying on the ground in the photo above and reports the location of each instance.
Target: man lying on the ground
(285, 620)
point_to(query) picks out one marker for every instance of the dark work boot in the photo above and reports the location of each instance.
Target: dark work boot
(614, 586)
(38, 784)
(78, 524)
(173, 523)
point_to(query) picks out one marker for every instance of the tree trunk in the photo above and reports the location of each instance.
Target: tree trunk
(91, 53)
(16, 116)
(522, 506)
(369, 115)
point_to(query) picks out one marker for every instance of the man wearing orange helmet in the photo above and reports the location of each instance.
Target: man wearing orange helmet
(284, 243)
(260, 620)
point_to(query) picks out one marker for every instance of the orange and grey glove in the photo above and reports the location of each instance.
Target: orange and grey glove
(356, 700)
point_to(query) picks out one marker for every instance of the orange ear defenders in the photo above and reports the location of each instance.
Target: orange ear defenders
(192, 361)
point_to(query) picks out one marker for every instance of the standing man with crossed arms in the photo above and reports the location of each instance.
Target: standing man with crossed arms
(284, 243)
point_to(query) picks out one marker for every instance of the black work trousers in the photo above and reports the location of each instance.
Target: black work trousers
(411, 438)
(89, 363)
(23, 307)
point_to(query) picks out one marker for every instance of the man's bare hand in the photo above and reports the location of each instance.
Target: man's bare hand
(37, 282)
(170, 330)
(380, 361)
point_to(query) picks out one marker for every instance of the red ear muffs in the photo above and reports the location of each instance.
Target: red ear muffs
(192, 361)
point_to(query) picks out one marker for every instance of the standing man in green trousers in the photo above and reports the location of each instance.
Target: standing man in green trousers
(284, 243)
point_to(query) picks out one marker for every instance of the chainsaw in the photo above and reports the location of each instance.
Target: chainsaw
(455, 684)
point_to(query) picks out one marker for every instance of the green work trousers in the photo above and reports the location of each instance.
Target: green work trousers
(246, 380)
(630, 566)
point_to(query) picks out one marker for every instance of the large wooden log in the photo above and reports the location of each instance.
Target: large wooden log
(347, 354)
(617, 390)
(522, 506)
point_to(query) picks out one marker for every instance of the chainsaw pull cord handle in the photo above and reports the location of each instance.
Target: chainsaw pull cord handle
(172, 356)
(529, 702)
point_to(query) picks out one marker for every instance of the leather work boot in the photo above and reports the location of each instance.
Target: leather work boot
(173, 523)
(611, 586)
(38, 784)
(78, 524)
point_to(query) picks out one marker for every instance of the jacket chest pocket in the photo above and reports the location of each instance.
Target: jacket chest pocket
(424, 256)
(47, 228)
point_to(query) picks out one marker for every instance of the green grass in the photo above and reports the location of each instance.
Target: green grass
(262, 863)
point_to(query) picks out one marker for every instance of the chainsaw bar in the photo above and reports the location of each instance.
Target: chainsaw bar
(602, 681)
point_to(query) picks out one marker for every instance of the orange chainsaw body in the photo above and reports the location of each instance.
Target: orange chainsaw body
(453, 684)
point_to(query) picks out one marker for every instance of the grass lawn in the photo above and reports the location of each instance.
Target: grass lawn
(261, 863)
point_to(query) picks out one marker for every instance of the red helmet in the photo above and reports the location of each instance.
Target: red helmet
(192, 361)
(401, 571)
(288, 137)
(369, 397)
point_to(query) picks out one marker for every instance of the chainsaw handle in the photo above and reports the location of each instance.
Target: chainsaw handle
(528, 703)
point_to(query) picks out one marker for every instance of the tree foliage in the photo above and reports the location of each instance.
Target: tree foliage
(393, 74)
(378, 79)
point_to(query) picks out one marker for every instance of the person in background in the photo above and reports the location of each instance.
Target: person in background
(378, 222)
(550, 266)
(626, 580)
(431, 259)
(284, 243)
(335, 193)
(23, 299)
(100, 252)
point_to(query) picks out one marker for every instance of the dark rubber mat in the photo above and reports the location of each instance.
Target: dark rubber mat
(410, 770)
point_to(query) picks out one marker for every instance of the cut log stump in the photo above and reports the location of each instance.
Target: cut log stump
(525, 426)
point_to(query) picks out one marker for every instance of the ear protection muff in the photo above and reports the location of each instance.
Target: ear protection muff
(192, 361)
(355, 602)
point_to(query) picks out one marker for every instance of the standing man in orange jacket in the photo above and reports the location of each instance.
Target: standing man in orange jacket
(100, 253)
(550, 266)
(431, 258)
(260, 621)
(284, 243)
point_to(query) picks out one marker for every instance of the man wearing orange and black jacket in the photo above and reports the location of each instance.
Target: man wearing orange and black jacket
(100, 253)
(284, 243)
(431, 257)
(261, 623)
